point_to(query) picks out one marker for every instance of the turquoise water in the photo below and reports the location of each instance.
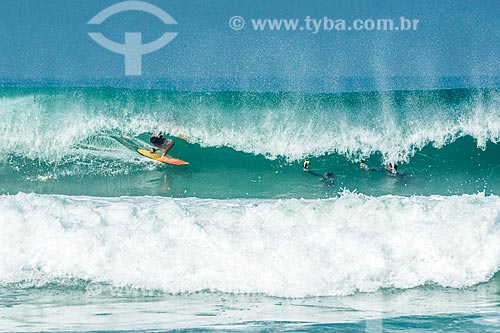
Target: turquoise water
(97, 238)
(105, 308)
(81, 141)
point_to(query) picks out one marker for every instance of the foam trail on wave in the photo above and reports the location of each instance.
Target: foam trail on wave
(289, 248)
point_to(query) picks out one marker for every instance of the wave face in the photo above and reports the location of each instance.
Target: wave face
(49, 123)
(289, 248)
(445, 140)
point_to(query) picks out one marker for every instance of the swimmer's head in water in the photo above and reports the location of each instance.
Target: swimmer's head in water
(393, 168)
(328, 175)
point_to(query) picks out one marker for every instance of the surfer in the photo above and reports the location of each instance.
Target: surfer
(393, 169)
(161, 143)
(327, 178)
(365, 166)
(305, 166)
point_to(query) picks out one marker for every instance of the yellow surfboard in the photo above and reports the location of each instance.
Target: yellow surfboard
(157, 157)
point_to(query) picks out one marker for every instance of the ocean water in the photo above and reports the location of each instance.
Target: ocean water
(95, 237)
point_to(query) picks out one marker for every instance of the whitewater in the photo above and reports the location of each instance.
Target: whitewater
(285, 248)
(49, 123)
(243, 238)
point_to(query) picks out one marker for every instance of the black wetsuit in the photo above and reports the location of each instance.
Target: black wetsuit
(160, 141)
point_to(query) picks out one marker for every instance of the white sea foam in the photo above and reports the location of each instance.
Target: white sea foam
(288, 248)
(52, 126)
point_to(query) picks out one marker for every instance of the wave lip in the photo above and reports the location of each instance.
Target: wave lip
(288, 248)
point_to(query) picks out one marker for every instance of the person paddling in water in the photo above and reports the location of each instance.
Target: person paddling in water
(365, 166)
(161, 143)
(327, 178)
(392, 169)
